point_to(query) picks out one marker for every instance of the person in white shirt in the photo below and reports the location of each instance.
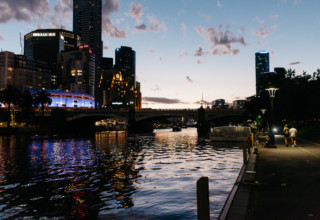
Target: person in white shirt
(293, 133)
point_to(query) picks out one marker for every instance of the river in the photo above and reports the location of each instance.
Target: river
(113, 175)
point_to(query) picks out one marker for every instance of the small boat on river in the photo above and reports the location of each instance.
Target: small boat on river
(230, 133)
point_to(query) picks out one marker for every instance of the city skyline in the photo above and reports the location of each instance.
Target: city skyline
(187, 48)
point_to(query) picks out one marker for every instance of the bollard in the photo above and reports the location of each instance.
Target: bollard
(244, 150)
(252, 139)
(203, 198)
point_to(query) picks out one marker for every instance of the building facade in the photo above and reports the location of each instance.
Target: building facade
(46, 44)
(239, 104)
(70, 99)
(76, 70)
(87, 19)
(23, 73)
(125, 62)
(262, 66)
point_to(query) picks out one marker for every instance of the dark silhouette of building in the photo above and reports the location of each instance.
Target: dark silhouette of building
(104, 85)
(46, 44)
(87, 18)
(262, 66)
(23, 73)
(219, 104)
(125, 62)
(76, 70)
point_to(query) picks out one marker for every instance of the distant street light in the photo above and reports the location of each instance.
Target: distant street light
(272, 93)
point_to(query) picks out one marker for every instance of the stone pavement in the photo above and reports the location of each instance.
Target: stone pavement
(286, 184)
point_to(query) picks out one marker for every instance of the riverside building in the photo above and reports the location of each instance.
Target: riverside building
(23, 73)
(76, 70)
(46, 44)
(87, 18)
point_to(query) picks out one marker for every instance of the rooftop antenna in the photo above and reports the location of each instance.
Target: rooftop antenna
(20, 44)
(201, 100)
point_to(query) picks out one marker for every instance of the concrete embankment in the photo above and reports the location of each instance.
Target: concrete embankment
(285, 185)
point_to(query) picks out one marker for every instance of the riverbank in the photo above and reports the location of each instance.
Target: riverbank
(22, 130)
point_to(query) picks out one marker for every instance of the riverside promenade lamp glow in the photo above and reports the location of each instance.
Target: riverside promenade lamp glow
(272, 93)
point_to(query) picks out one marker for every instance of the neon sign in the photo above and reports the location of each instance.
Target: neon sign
(44, 34)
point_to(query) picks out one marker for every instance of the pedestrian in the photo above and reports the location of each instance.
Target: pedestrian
(286, 134)
(293, 133)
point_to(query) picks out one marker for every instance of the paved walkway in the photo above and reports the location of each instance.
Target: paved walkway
(288, 182)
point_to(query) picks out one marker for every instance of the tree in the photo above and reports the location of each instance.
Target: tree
(42, 97)
(27, 102)
(10, 95)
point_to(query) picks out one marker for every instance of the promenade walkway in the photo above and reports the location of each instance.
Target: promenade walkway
(287, 184)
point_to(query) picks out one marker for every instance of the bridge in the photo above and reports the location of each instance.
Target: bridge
(138, 119)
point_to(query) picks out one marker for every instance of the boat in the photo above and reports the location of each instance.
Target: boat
(230, 133)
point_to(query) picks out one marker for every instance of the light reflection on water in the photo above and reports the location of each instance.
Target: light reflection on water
(114, 176)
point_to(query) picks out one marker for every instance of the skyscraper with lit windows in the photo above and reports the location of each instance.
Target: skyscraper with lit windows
(125, 61)
(262, 66)
(87, 18)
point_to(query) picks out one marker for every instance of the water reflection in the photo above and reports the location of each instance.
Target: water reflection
(114, 176)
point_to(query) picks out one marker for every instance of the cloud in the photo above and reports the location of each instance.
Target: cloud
(295, 2)
(23, 10)
(189, 79)
(221, 42)
(162, 100)
(262, 32)
(109, 29)
(207, 17)
(136, 11)
(152, 24)
(109, 7)
(200, 62)
(156, 88)
(199, 52)
(273, 17)
(155, 25)
(185, 53)
(183, 28)
(219, 4)
(294, 63)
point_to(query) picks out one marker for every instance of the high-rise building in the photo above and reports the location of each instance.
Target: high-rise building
(125, 62)
(23, 73)
(104, 86)
(46, 44)
(87, 19)
(76, 70)
(262, 66)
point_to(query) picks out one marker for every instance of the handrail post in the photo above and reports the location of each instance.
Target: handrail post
(203, 198)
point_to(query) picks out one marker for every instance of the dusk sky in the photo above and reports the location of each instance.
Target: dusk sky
(186, 48)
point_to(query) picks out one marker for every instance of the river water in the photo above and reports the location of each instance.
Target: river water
(114, 176)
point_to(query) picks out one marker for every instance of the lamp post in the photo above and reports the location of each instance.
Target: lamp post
(272, 93)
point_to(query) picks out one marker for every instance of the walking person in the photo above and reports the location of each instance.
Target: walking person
(286, 134)
(293, 133)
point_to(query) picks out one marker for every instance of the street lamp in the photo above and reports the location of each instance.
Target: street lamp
(272, 93)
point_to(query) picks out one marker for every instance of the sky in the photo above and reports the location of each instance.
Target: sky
(187, 49)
